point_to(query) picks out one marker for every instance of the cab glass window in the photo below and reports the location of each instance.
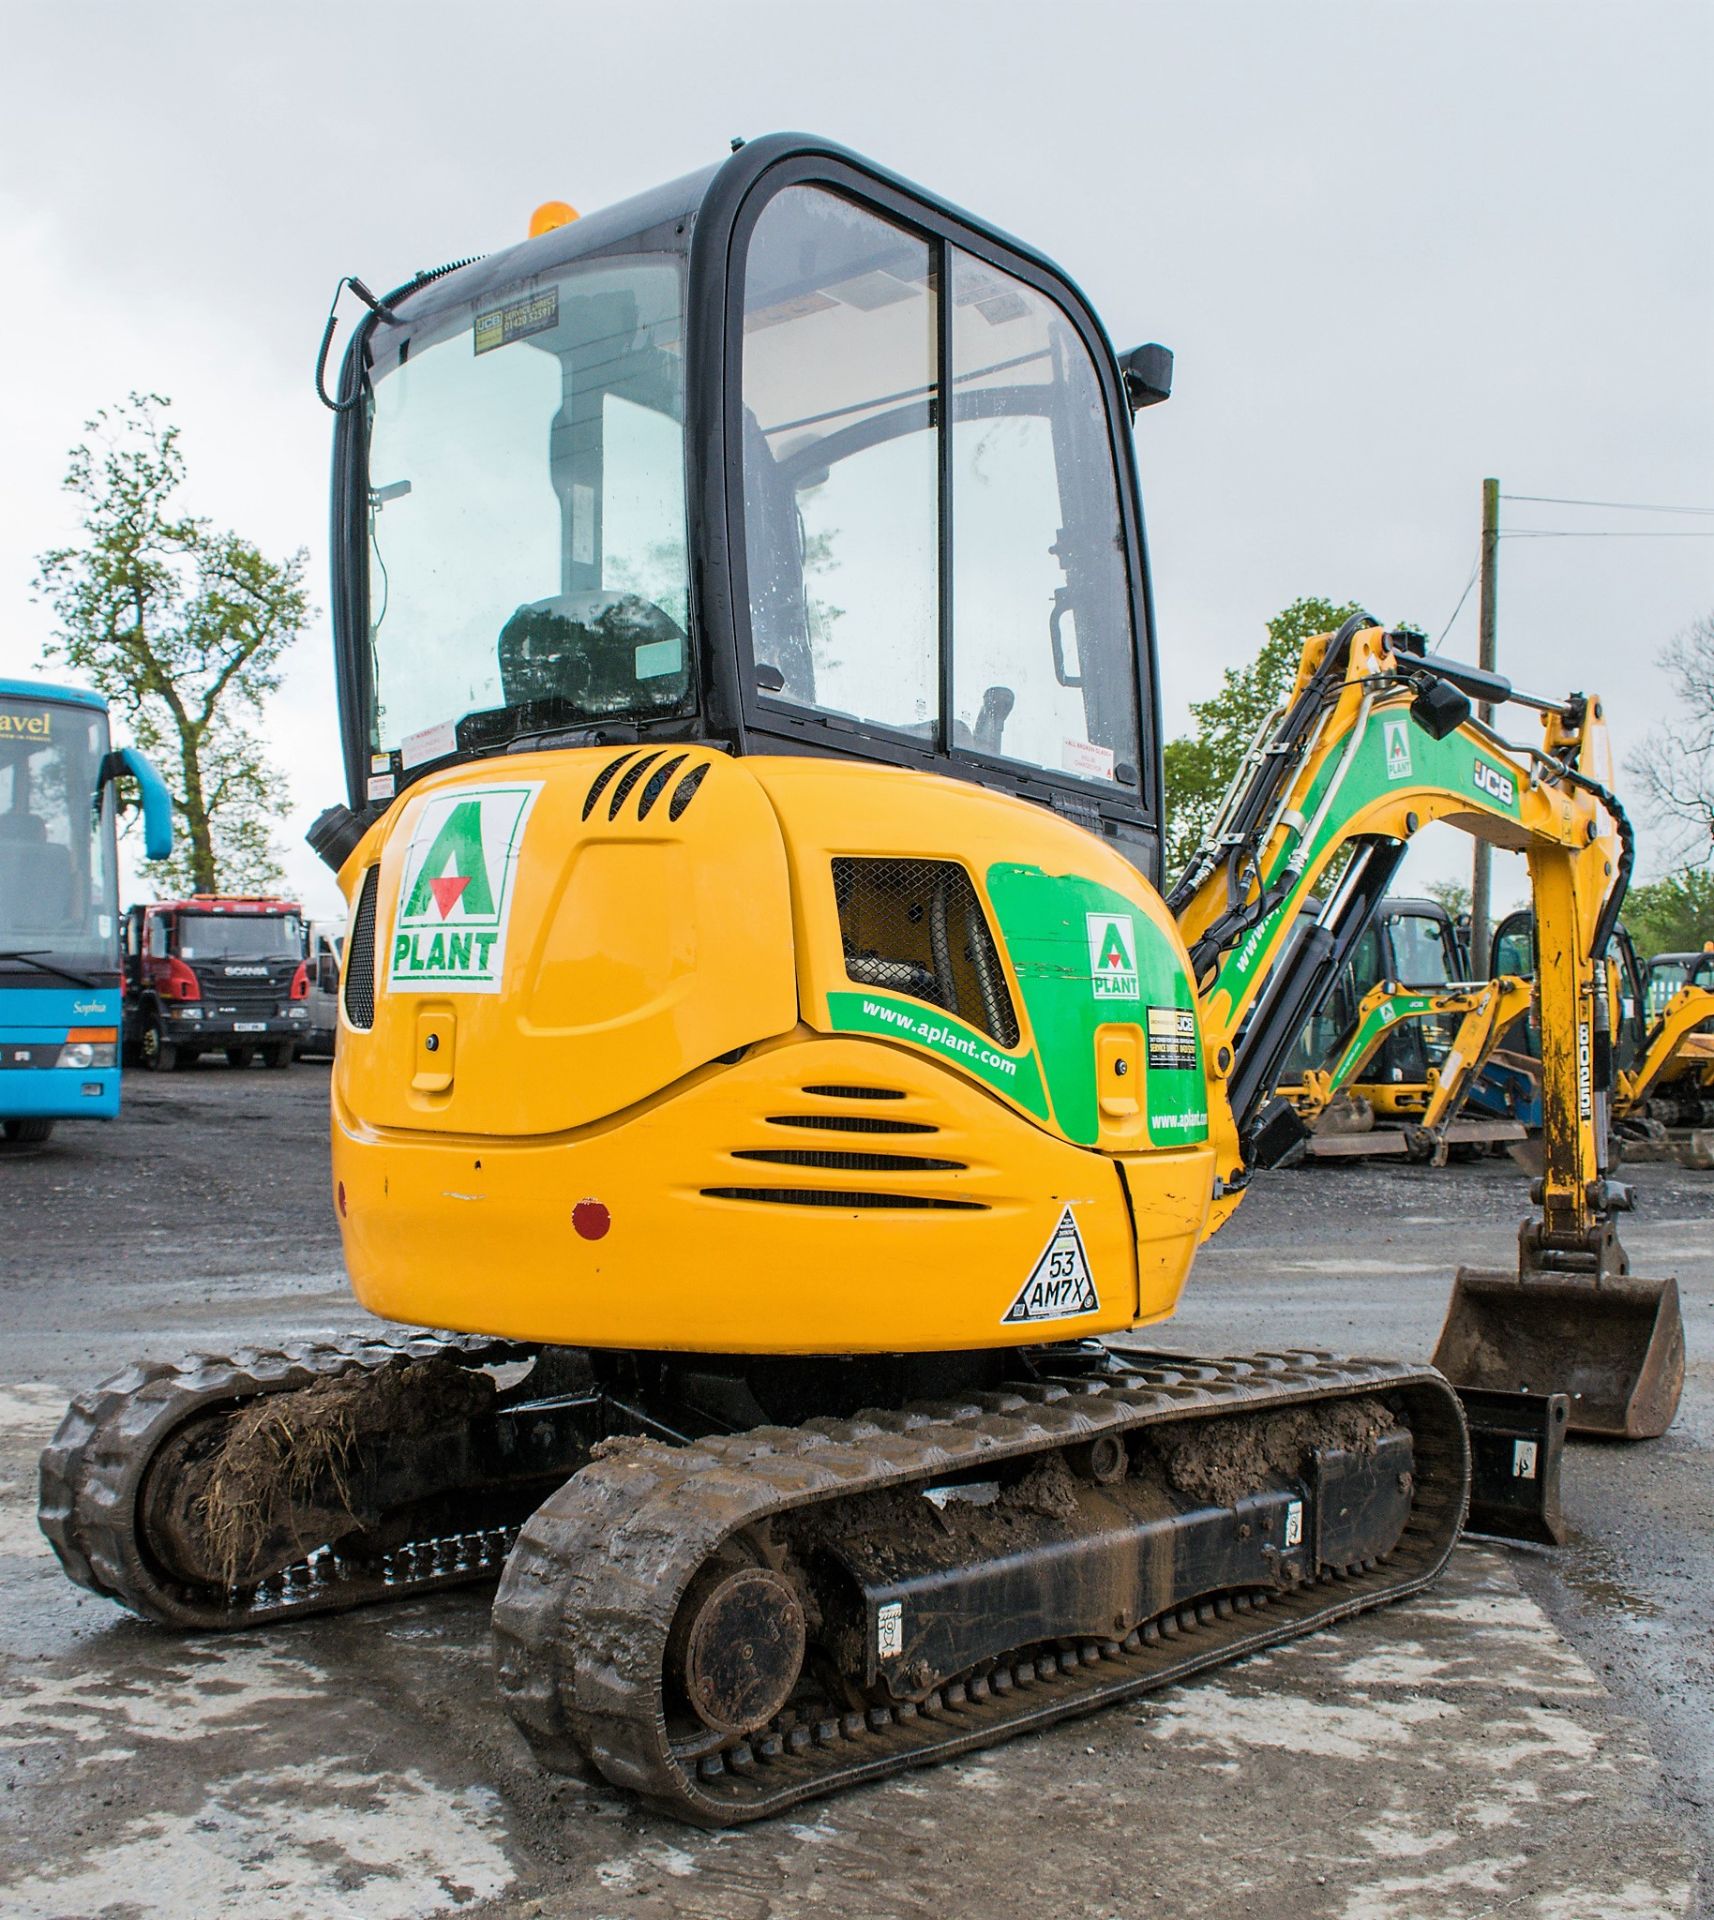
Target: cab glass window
(1419, 951)
(1043, 657)
(841, 462)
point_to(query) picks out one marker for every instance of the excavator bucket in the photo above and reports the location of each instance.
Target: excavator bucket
(1614, 1345)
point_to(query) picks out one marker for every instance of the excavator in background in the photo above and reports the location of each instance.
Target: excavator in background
(1474, 1015)
(1374, 1072)
(769, 1061)
(1662, 1039)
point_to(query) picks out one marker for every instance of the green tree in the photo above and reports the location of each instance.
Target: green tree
(1199, 766)
(184, 628)
(1674, 915)
(1453, 895)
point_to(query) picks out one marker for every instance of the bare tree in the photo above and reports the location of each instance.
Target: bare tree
(1675, 765)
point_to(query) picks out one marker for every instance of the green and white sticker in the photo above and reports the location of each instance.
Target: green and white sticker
(1112, 955)
(449, 931)
(1397, 732)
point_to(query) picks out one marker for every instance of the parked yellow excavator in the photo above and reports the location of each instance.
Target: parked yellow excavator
(1474, 1013)
(770, 1062)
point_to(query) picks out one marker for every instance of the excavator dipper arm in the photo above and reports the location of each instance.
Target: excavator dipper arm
(1376, 741)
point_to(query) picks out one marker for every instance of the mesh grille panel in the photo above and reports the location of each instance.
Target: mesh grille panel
(360, 961)
(916, 927)
(849, 1123)
(821, 1197)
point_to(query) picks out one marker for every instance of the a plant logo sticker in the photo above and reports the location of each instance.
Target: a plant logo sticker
(1397, 736)
(449, 933)
(1112, 955)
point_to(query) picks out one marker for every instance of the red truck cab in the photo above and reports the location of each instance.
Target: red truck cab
(215, 973)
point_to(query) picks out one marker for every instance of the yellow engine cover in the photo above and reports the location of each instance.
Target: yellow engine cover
(626, 1079)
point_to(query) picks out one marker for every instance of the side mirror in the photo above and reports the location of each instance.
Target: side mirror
(1148, 375)
(157, 802)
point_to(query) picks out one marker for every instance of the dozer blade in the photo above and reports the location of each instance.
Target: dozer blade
(1615, 1345)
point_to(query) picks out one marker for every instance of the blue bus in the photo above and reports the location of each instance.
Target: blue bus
(59, 904)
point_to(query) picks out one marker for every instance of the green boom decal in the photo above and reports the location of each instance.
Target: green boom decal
(1087, 957)
(1388, 1013)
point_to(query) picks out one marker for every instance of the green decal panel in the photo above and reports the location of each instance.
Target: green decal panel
(1085, 957)
(1015, 1075)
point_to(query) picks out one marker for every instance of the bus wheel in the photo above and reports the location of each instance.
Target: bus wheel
(27, 1133)
(158, 1052)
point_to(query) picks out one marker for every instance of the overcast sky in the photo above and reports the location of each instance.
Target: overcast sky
(1394, 247)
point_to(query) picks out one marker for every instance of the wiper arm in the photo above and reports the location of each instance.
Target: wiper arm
(30, 960)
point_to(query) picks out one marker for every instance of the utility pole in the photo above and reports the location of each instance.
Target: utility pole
(1482, 871)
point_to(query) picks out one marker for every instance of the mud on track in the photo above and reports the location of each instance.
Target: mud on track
(1523, 1740)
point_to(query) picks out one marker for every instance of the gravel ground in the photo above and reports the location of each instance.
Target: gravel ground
(1535, 1737)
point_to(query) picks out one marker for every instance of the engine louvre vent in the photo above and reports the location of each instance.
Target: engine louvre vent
(360, 960)
(850, 1123)
(685, 791)
(656, 781)
(916, 927)
(627, 780)
(599, 785)
(826, 1197)
(858, 1093)
(848, 1161)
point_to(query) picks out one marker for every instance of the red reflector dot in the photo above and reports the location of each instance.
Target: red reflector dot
(591, 1219)
(342, 1199)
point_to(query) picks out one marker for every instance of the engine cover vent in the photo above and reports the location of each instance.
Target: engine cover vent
(826, 1197)
(360, 961)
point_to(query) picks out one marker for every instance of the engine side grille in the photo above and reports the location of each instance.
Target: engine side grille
(916, 926)
(360, 960)
(858, 1093)
(849, 1123)
(824, 1197)
(848, 1162)
(599, 785)
(685, 791)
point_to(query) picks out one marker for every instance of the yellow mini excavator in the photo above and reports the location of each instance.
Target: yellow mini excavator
(1478, 1013)
(768, 1058)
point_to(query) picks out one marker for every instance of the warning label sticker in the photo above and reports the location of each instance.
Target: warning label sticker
(1172, 1037)
(1060, 1286)
(890, 1630)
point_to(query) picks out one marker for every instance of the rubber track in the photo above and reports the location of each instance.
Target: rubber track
(590, 1590)
(93, 1469)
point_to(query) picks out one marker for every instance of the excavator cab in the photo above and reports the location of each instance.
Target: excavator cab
(787, 457)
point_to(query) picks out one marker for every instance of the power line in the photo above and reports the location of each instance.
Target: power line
(1623, 506)
(1605, 533)
(1475, 568)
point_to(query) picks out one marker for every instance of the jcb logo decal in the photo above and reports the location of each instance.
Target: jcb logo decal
(1495, 784)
